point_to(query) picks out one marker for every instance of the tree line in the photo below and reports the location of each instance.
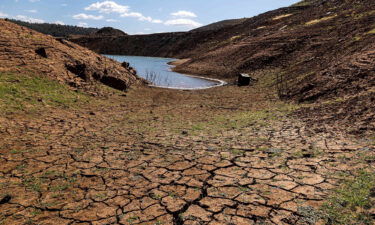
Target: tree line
(56, 30)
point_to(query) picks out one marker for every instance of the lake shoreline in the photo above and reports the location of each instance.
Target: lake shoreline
(161, 74)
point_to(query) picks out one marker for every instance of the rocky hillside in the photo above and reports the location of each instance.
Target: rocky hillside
(316, 50)
(26, 51)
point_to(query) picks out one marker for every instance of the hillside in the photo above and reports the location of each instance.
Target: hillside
(219, 25)
(109, 31)
(314, 50)
(26, 51)
(56, 30)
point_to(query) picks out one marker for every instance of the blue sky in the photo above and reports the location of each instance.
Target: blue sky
(137, 16)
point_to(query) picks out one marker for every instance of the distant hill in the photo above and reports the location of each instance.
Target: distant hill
(109, 31)
(219, 25)
(56, 30)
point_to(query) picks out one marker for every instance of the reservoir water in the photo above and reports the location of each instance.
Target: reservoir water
(159, 73)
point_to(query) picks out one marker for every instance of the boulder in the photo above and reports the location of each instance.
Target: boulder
(245, 79)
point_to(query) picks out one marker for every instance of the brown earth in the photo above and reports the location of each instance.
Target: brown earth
(173, 157)
(323, 49)
(226, 155)
(23, 50)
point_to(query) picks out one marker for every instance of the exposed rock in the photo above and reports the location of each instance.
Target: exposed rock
(5, 199)
(42, 52)
(245, 79)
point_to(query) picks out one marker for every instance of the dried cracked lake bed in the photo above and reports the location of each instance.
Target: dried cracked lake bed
(172, 157)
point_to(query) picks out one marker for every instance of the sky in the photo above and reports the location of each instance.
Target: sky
(136, 16)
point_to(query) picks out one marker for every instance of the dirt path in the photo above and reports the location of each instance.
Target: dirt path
(221, 156)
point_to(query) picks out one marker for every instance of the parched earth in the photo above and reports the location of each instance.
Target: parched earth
(172, 157)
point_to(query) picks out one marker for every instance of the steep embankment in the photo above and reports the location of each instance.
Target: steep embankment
(25, 51)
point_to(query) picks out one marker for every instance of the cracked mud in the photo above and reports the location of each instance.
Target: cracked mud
(143, 160)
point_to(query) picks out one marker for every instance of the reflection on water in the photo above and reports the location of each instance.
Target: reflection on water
(157, 71)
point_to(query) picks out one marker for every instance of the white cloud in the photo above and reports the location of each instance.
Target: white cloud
(111, 20)
(108, 7)
(183, 23)
(82, 24)
(132, 14)
(2, 15)
(34, 0)
(28, 19)
(141, 17)
(183, 13)
(32, 11)
(59, 22)
(124, 11)
(83, 16)
(64, 4)
(157, 21)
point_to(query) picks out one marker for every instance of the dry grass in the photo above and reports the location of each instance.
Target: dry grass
(312, 22)
(234, 38)
(282, 16)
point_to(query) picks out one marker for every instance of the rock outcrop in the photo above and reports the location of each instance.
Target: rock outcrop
(24, 50)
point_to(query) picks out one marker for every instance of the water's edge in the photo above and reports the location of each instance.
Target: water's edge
(220, 83)
(170, 63)
(168, 66)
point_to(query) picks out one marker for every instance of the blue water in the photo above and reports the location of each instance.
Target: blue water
(159, 73)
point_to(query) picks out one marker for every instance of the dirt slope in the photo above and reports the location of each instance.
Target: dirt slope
(24, 50)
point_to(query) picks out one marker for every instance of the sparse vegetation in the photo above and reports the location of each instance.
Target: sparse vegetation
(28, 93)
(316, 21)
(282, 16)
(235, 38)
(33, 183)
(351, 202)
